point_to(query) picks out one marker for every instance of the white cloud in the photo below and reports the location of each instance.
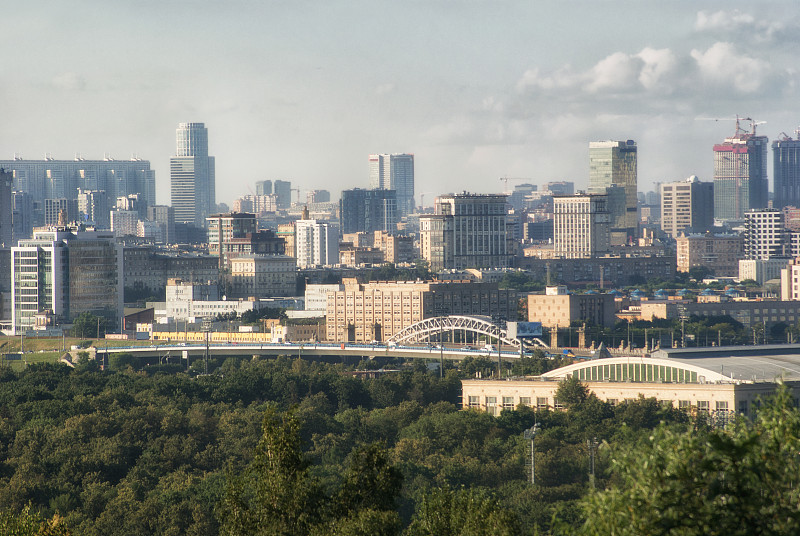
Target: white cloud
(736, 25)
(617, 72)
(733, 21)
(723, 65)
(660, 68)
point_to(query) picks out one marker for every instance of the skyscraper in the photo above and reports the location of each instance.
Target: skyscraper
(316, 243)
(740, 175)
(263, 187)
(368, 211)
(283, 190)
(394, 172)
(192, 175)
(687, 204)
(786, 171)
(613, 163)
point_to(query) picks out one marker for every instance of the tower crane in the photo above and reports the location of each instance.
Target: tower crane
(506, 179)
(753, 123)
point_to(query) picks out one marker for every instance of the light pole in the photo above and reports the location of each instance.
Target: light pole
(531, 435)
(592, 444)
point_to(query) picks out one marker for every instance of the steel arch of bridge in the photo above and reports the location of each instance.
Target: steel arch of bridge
(425, 329)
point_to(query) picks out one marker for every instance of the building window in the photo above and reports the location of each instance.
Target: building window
(474, 402)
(508, 402)
(612, 402)
(541, 402)
(743, 407)
(702, 405)
(684, 404)
(524, 401)
(491, 405)
(557, 404)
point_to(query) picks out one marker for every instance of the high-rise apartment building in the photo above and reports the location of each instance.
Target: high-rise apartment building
(368, 211)
(53, 179)
(765, 235)
(192, 175)
(23, 217)
(316, 243)
(235, 235)
(685, 205)
(466, 231)
(66, 272)
(394, 172)
(6, 208)
(740, 175)
(614, 163)
(786, 171)
(580, 225)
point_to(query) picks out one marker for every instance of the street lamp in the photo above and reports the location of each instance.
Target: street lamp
(530, 434)
(592, 444)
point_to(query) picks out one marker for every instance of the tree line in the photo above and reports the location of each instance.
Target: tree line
(290, 446)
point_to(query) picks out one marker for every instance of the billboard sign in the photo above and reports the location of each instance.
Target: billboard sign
(524, 330)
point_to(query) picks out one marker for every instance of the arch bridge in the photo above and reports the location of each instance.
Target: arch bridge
(432, 329)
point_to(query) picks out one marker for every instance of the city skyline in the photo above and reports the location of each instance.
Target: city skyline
(502, 89)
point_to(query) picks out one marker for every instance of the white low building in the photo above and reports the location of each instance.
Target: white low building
(719, 381)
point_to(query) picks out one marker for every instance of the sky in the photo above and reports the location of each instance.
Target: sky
(475, 89)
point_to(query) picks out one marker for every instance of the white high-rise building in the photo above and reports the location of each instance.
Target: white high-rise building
(394, 172)
(765, 235)
(192, 175)
(316, 243)
(580, 225)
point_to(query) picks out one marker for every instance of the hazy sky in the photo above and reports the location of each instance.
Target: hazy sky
(476, 89)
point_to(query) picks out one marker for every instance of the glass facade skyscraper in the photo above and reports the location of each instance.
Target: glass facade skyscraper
(786, 168)
(193, 184)
(614, 163)
(394, 172)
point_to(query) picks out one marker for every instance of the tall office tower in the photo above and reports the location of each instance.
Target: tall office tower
(67, 272)
(264, 187)
(580, 225)
(466, 231)
(316, 243)
(394, 172)
(786, 167)
(22, 219)
(283, 189)
(192, 175)
(368, 211)
(613, 163)
(765, 235)
(740, 175)
(164, 216)
(685, 205)
(93, 206)
(6, 208)
(51, 178)
(59, 209)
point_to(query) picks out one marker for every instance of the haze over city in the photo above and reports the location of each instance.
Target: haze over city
(304, 91)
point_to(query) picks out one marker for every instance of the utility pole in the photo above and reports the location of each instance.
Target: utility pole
(592, 444)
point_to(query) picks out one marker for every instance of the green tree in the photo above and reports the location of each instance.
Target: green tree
(571, 392)
(29, 523)
(735, 481)
(88, 325)
(464, 512)
(277, 496)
